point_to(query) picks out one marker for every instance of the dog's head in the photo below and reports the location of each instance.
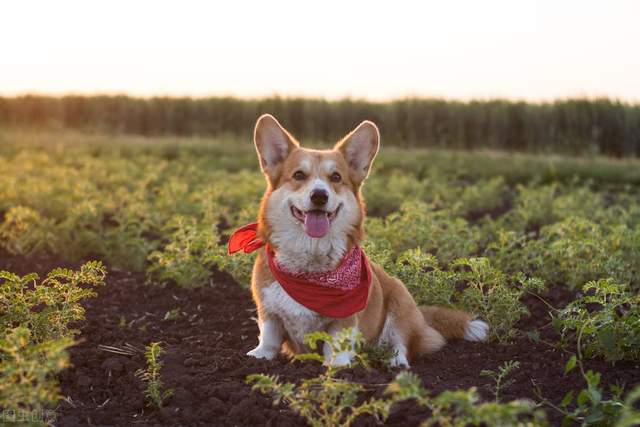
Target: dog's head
(312, 211)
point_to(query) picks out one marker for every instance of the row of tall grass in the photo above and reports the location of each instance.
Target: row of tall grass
(575, 126)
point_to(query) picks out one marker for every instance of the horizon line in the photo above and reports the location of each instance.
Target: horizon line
(315, 97)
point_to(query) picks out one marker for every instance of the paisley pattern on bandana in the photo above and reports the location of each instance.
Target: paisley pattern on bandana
(346, 276)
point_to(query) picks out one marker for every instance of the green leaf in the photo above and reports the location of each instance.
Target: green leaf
(583, 397)
(594, 416)
(571, 364)
(607, 339)
(487, 373)
(566, 400)
(309, 356)
(596, 396)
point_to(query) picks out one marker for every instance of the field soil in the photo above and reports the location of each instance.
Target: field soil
(205, 362)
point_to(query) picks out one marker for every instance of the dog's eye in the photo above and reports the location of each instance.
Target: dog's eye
(299, 176)
(335, 177)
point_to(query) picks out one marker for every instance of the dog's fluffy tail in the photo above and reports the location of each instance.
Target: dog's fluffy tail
(454, 324)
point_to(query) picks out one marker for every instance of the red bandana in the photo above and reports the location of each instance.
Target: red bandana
(339, 293)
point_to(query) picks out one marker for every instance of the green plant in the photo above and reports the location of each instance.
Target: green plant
(482, 197)
(27, 370)
(506, 249)
(187, 258)
(533, 207)
(325, 400)
(418, 224)
(238, 266)
(119, 198)
(578, 250)
(155, 392)
(500, 377)
(427, 282)
(382, 202)
(605, 321)
(494, 295)
(47, 308)
(24, 231)
(589, 408)
(122, 198)
(378, 356)
(472, 284)
(463, 408)
(34, 332)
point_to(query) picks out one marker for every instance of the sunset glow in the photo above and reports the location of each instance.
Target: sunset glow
(459, 49)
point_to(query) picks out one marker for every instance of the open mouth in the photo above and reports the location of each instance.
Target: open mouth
(316, 221)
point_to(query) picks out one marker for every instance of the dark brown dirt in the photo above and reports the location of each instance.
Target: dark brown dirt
(205, 360)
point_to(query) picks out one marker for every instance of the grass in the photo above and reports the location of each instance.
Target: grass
(232, 154)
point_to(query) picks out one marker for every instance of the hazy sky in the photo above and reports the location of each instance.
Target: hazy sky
(379, 50)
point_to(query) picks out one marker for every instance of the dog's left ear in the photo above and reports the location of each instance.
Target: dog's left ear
(360, 148)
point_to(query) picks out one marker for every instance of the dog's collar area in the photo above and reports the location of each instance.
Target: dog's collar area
(345, 276)
(339, 293)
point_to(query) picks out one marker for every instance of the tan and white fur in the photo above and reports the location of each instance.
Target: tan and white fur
(295, 177)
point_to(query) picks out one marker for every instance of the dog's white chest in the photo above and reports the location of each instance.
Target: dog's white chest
(297, 319)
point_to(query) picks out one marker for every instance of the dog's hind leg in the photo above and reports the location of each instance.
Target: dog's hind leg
(393, 337)
(409, 336)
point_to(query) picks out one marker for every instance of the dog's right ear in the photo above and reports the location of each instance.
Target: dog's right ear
(273, 144)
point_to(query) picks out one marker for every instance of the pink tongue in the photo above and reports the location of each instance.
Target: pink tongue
(316, 223)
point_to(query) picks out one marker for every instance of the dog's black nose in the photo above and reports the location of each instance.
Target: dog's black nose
(319, 197)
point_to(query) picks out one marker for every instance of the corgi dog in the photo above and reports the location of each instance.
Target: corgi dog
(309, 226)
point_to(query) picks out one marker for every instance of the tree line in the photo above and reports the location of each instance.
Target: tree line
(577, 126)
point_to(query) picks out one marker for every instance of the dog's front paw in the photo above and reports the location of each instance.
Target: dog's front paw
(399, 361)
(262, 353)
(342, 359)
